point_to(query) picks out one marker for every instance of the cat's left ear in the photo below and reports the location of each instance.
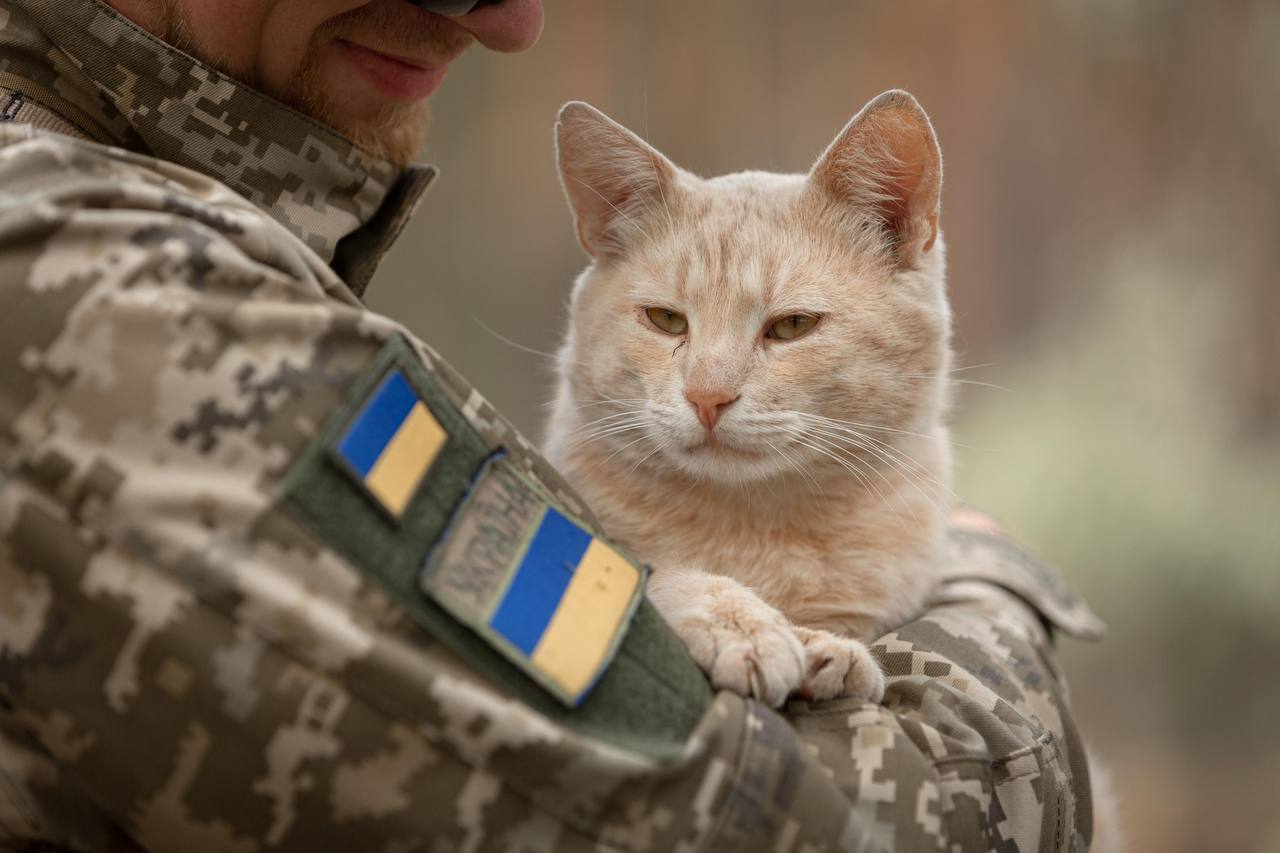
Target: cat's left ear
(886, 163)
(612, 178)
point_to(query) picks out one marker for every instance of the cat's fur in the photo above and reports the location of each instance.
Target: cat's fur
(779, 540)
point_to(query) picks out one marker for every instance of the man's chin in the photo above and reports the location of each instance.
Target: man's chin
(397, 136)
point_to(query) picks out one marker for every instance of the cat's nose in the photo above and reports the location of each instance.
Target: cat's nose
(710, 404)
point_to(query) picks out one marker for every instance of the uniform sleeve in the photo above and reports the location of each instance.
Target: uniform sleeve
(974, 747)
(185, 664)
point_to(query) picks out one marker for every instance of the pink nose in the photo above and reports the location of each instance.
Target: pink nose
(710, 405)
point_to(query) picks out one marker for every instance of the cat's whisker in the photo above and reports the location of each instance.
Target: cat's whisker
(602, 401)
(606, 426)
(911, 478)
(653, 164)
(915, 473)
(915, 479)
(807, 438)
(900, 459)
(810, 417)
(643, 459)
(605, 432)
(616, 452)
(626, 413)
(888, 483)
(607, 421)
(856, 425)
(517, 345)
(956, 381)
(611, 426)
(801, 439)
(983, 385)
(897, 458)
(950, 370)
(835, 449)
(792, 462)
(635, 414)
(908, 463)
(588, 404)
(591, 438)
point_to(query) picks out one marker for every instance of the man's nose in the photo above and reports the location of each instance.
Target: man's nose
(507, 25)
(710, 404)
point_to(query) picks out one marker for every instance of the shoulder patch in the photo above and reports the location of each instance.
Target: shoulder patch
(552, 597)
(401, 484)
(390, 443)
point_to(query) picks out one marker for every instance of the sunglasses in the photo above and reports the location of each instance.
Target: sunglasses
(452, 8)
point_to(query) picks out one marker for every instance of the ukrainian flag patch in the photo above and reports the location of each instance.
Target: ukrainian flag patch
(535, 582)
(390, 443)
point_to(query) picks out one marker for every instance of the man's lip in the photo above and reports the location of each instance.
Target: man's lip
(404, 60)
(398, 77)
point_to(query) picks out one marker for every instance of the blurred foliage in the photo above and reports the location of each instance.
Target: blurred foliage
(1111, 206)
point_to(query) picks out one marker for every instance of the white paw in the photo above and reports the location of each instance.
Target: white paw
(838, 666)
(746, 646)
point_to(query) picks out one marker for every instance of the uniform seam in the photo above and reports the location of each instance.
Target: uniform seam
(1038, 747)
(37, 94)
(21, 804)
(722, 816)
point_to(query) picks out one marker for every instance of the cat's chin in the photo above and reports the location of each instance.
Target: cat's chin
(722, 463)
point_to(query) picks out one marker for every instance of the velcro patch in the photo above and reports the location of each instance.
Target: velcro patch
(532, 580)
(390, 442)
(648, 695)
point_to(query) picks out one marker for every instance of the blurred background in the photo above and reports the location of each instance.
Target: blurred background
(1112, 212)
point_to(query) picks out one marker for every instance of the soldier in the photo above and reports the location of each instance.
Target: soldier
(245, 570)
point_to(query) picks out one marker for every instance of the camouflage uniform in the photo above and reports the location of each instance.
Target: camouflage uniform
(206, 641)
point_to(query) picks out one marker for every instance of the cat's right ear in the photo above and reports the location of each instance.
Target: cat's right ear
(611, 176)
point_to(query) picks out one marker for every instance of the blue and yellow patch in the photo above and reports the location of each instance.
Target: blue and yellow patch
(390, 443)
(553, 598)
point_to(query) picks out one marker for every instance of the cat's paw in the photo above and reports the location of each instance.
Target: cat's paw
(746, 646)
(838, 666)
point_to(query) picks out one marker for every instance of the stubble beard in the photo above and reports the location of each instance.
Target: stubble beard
(395, 132)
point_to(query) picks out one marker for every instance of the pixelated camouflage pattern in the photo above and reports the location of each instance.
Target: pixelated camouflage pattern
(183, 665)
(122, 86)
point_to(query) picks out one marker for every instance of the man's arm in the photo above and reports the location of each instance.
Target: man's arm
(204, 669)
(974, 747)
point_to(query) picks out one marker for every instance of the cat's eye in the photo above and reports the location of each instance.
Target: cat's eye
(791, 327)
(667, 321)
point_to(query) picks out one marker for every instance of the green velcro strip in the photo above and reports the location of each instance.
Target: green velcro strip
(650, 696)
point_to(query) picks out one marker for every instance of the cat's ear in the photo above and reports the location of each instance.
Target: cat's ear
(611, 176)
(886, 162)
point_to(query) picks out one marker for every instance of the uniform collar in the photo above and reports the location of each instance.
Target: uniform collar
(120, 85)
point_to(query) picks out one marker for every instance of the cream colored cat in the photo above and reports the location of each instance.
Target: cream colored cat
(752, 389)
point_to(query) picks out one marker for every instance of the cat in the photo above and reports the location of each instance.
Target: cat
(752, 388)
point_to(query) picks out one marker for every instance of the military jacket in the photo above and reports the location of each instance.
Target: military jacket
(213, 637)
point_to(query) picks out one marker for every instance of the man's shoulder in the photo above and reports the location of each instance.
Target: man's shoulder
(71, 208)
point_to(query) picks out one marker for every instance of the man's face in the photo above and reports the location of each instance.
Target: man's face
(364, 68)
